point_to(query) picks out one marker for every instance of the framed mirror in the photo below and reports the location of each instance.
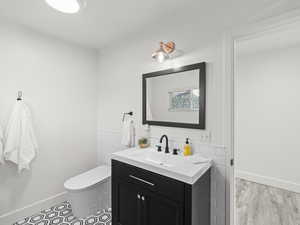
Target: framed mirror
(175, 97)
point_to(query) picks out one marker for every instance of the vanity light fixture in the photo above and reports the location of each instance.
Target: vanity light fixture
(66, 6)
(164, 51)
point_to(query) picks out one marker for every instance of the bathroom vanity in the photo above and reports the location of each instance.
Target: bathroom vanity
(152, 188)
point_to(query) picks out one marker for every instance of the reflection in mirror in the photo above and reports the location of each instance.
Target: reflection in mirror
(175, 97)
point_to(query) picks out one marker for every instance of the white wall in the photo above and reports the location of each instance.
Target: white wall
(120, 83)
(120, 90)
(58, 84)
(268, 110)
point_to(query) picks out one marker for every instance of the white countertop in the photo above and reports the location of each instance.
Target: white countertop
(187, 169)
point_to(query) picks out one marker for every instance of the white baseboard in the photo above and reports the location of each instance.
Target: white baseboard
(18, 214)
(270, 181)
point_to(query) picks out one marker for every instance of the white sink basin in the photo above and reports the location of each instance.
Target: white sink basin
(187, 169)
(151, 156)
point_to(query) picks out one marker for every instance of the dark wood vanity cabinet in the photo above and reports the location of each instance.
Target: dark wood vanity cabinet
(141, 197)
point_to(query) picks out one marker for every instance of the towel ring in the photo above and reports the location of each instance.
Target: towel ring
(19, 96)
(124, 114)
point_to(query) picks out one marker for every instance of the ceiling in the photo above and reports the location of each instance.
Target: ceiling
(103, 22)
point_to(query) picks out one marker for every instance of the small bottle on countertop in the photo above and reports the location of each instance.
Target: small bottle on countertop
(187, 149)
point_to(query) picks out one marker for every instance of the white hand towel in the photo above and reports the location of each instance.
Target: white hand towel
(1, 145)
(20, 142)
(128, 133)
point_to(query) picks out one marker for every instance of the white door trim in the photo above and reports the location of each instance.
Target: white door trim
(230, 39)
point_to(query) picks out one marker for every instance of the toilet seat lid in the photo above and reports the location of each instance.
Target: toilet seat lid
(89, 178)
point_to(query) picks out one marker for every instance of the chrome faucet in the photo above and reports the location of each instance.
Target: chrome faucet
(167, 143)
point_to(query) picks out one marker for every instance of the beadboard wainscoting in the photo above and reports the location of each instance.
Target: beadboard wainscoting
(109, 142)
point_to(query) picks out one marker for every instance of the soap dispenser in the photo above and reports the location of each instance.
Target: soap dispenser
(187, 149)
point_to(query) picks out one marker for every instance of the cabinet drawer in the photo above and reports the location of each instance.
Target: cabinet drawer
(157, 183)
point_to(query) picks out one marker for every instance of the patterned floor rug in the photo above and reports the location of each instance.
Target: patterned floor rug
(61, 214)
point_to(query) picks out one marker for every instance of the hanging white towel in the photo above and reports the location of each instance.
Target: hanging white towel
(128, 133)
(20, 142)
(1, 145)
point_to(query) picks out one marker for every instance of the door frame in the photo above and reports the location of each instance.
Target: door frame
(229, 42)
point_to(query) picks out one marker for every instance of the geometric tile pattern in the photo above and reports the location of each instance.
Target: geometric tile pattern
(61, 214)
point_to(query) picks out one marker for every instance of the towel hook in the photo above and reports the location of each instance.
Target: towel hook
(124, 114)
(19, 96)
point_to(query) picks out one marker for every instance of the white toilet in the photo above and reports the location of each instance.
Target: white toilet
(89, 192)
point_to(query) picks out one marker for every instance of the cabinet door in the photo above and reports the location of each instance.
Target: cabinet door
(158, 210)
(126, 203)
